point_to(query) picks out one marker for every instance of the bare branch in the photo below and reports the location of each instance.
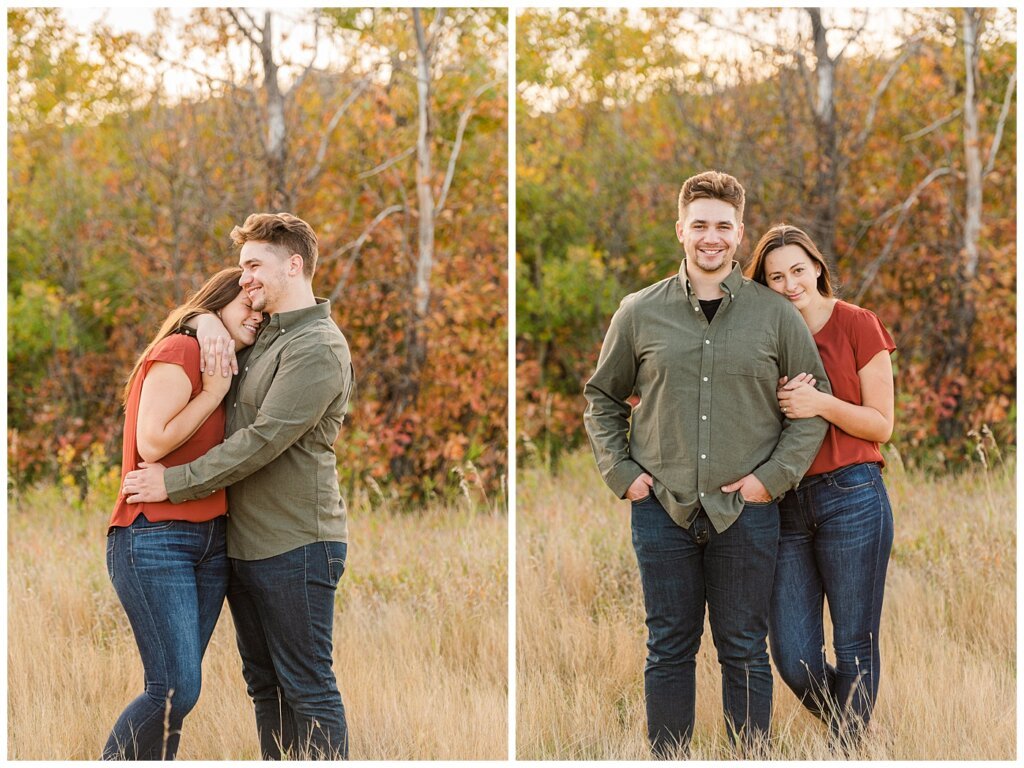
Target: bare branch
(321, 152)
(386, 164)
(750, 38)
(929, 128)
(467, 113)
(778, 48)
(854, 36)
(911, 47)
(903, 208)
(356, 245)
(435, 26)
(250, 30)
(251, 19)
(211, 81)
(1010, 85)
(316, 49)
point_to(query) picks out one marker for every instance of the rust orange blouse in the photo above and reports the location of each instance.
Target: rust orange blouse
(846, 343)
(182, 350)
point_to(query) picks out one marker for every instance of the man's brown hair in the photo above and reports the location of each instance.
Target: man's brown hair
(716, 186)
(284, 230)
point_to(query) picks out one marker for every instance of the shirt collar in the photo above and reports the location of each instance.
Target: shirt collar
(288, 321)
(730, 285)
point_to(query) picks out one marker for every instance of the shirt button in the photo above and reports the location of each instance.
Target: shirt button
(703, 418)
(703, 455)
(696, 309)
(247, 368)
(702, 494)
(707, 341)
(705, 378)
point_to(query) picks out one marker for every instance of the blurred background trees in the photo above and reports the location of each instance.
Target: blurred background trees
(890, 136)
(123, 185)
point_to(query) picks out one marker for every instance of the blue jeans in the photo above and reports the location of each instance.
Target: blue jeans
(171, 578)
(283, 609)
(681, 570)
(837, 533)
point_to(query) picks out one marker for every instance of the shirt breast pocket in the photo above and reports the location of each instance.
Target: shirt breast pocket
(253, 389)
(750, 352)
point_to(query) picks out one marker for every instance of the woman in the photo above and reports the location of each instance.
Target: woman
(836, 526)
(168, 562)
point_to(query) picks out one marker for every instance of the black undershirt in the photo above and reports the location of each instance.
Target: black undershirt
(710, 307)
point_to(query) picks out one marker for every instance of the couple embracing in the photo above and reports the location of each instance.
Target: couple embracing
(753, 468)
(274, 542)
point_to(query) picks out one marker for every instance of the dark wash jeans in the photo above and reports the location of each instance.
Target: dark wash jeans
(681, 570)
(283, 609)
(837, 533)
(171, 578)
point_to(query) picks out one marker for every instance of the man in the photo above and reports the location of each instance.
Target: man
(704, 461)
(287, 521)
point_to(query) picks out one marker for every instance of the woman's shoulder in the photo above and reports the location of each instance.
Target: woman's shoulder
(176, 348)
(853, 315)
(863, 327)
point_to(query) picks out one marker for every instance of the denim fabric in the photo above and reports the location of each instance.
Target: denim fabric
(283, 609)
(681, 570)
(837, 533)
(171, 578)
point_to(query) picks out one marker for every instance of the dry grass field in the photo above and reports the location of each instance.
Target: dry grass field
(420, 639)
(948, 685)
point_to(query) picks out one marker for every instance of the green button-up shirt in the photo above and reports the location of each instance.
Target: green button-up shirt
(708, 413)
(284, 412)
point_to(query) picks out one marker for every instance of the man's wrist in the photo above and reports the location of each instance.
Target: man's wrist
(622, 476)
(175, 485)
(772, 480)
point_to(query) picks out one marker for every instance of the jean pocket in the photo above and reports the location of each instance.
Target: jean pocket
(854, 478)
(142, 525)
(337, 553)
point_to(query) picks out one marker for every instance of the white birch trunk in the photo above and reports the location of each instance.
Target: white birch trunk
(424, 193)
(972, 147)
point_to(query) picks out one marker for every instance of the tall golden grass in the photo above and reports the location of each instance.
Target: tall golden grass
(948, 628)
(420, 638)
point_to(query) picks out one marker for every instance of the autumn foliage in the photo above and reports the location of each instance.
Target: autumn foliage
(123, 189)
(606, 136)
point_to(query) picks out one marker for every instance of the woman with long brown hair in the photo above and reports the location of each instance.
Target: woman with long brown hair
(836, 526)
(168, 562)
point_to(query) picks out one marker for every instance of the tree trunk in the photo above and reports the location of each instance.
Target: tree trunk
(964, 303)
(408, 386)
(276, 142)
(972, 148)
(826, 187)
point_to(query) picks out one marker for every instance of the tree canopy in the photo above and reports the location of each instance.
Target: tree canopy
(122, 192)
(860, 134)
